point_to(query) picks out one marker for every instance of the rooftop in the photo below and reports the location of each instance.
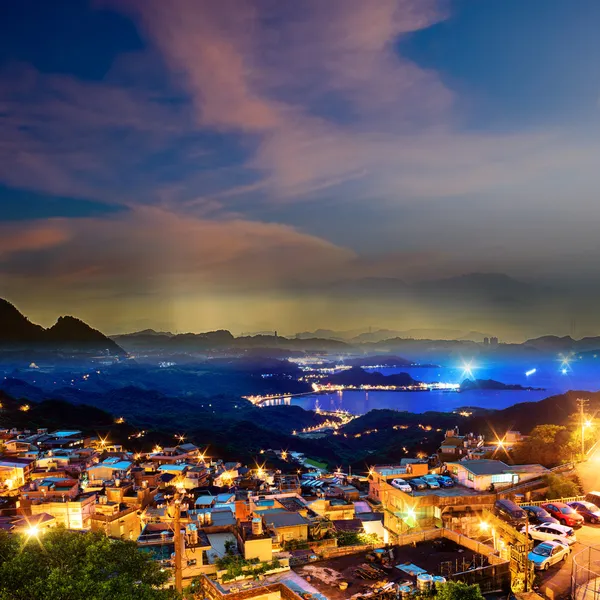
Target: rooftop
(285, 519)
(484, 466)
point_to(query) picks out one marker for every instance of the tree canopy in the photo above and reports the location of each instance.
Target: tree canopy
(548, 445)
(65, 565)
(457, 590)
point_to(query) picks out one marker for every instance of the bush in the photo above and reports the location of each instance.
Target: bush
(353, 538)
(457, 590)
(561, 487)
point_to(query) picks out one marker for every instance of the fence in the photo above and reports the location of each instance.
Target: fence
(490, 579)
(585, 574)
(328, 553)
(540, 502)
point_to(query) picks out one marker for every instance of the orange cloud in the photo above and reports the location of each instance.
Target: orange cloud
(30, 238)
(153, 248)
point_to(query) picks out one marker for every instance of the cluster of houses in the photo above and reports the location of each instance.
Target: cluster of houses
(86, 483)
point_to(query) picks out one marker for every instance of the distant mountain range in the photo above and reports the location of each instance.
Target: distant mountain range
(67, 335)
(70, 335)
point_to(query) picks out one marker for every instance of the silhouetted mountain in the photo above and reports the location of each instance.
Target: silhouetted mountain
(358, 376)
(15, 328)
(552, 343)
(491, 384)
(382, 360)
(68, 334)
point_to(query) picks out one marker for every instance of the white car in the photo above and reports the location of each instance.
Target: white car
(552, 532)
(548, 553)
(401, 485)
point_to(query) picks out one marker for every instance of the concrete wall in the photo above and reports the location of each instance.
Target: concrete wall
(261, 548)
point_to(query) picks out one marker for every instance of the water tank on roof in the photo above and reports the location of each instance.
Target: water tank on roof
(192, 532)
(257, 527)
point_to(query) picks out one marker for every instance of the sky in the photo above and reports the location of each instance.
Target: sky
(192, 164)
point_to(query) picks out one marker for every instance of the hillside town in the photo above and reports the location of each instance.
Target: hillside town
(228, 528)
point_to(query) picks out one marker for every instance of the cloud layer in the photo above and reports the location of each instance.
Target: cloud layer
(241, 139)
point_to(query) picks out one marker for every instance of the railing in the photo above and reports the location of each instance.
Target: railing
(585, 574)
(540, 502)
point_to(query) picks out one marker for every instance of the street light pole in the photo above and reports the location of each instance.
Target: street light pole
(176, 506)
(582, 402)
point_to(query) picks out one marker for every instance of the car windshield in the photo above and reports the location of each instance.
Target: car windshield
(543, 550)
(591, 507)
(567, 510)
(540, 512)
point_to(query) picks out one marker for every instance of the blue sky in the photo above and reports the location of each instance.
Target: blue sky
(217, 154)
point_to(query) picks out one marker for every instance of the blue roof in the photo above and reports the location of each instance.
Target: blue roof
(265, 503)
(169, 468)
(204, 500)
(121, 465)
(225, 497)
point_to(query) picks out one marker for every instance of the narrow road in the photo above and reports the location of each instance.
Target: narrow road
(589, 472)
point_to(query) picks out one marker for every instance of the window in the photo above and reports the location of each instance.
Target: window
(470, 476)
(502, 478)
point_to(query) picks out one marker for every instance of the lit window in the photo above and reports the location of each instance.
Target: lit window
(502, 478)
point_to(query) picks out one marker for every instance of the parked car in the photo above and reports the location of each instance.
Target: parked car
(510, 512)
(538, 515)
(431, 481)
(552, 532)
(544, 555)
(445, 481)
(590, 512)
(418, 483)
(564, 513)
(401, 485)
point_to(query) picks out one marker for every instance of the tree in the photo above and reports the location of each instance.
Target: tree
(457, 590)
(546, 444)
(560, 487)
(65, 565)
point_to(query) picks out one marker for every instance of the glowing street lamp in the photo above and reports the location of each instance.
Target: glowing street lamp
(33, 531)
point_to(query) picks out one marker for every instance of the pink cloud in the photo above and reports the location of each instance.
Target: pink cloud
(264, 80)
(30, 237)
(150, 246)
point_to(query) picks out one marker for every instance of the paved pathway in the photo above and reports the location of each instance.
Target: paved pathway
(556, 582)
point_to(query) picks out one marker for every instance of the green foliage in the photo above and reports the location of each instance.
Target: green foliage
(230, 546)
(561, 487)
(547, 445)
(64, 565)
(235, 566)
(457, 590)
(295, 545)
(352, 538)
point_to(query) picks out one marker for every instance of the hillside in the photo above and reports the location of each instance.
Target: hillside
(68, 334)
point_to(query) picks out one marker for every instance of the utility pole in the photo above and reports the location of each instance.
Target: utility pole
(582, 403)
(176, 508)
